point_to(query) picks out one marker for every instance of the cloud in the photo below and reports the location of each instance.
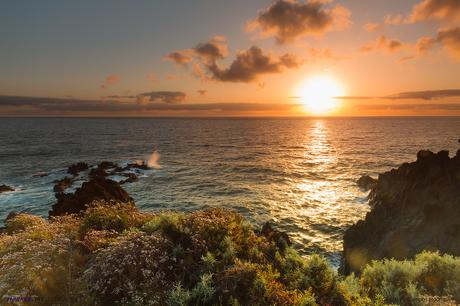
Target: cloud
(288, 20)
(413, 107)
(202, 92)
(16, 105)
(450, 39)
(110, 80)
(372, 27)
(180, 58)
(162, 96)
(212, 50)
(425, 44)
(383, 43)
(425, 95)
(435, 9)
(442, 10)
(410, 95)
(154, 96)
(250, 64)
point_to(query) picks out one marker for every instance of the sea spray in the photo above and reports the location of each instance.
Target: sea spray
(153, 160)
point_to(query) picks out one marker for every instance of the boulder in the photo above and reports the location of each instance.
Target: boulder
(96, 189)
(366, 182)
(5, 188)
(75, 169)
(98, 172)
(62, 184)
(107, 165)
(414, 208)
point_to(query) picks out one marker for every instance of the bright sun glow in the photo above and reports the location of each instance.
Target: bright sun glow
(318, 94)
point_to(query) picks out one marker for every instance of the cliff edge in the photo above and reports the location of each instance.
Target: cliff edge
(414, 208)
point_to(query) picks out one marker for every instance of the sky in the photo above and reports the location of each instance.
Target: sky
(230, 58)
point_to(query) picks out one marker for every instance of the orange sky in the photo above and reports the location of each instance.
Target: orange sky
(245, 59)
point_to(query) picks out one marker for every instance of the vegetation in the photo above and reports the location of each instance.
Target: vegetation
(115, 255)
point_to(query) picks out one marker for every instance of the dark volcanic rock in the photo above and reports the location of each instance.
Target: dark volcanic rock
(107, 165)
(414, 208)
(62, 184)
(141, 166)
(77, 168)
(96, 189)
(4, 188)
(98, 172)
(131, 178)
(366, 182)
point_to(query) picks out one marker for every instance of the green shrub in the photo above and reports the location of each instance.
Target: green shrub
(115, 255)
(110, 216)
(414, 282)
(21, 222)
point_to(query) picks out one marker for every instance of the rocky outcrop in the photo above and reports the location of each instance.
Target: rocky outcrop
(5, 188)
(62, 184)
(414, 208)
(366, 182)
(75, 169)
(96, 189)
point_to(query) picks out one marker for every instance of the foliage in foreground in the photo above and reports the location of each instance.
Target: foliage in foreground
(114, 254)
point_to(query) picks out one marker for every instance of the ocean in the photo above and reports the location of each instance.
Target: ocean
(298, 173)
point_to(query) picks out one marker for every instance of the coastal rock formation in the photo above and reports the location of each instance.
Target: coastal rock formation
(75, 169)
(5, 188)
(366, 182)
(62, 184)
(96, 189)
(414, 208)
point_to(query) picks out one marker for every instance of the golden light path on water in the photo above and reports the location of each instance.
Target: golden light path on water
(315, 202)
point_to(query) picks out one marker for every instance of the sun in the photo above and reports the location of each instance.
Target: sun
(319, 94)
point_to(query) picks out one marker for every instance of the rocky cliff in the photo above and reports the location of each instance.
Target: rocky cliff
(415, 207)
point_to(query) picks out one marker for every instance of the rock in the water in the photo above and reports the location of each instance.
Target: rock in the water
(62, 184)
(98, 172)
(96, 189)
(414, 208)
(107, 165)
(5, 188)
(75, 169)
(131, 178)
(366, 182)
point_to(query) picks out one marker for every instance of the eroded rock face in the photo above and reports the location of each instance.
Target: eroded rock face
(414, 208)
(366, 182)
(96, 189)
(5, 188)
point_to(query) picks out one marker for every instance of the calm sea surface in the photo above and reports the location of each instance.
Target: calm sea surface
(299, 173)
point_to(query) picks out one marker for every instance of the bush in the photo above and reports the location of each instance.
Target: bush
(41, 260)
(22, 222)
(110, 216)
(414, 282)
(115, 255)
